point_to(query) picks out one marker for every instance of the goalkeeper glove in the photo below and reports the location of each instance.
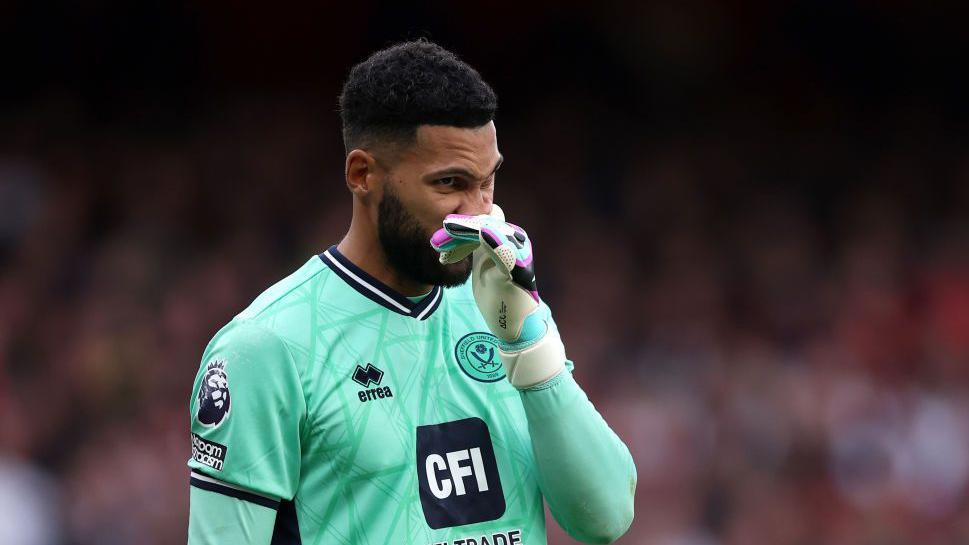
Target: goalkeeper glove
(503, 281)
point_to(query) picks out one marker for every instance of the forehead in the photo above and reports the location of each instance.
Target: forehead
(443, 146)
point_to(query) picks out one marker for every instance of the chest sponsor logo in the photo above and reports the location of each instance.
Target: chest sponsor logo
(505, 537)
(477, 355)
(213, 396)
(367, 377)
(457, 474)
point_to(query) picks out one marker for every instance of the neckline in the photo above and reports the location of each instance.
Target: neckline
(377, 291)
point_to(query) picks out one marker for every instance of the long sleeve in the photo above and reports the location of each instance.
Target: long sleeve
(584, 470)
(246, 419)
(216, 519)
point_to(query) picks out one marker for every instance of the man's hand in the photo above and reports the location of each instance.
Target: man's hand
(503, 281)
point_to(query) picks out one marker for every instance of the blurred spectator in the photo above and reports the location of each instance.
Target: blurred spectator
(29, 503)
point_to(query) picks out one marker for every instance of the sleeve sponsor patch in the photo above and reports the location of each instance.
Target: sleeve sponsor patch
(208, 453)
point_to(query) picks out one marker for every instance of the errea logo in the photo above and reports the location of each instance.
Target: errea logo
(367, 376)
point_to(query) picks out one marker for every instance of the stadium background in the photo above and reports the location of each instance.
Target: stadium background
(752, 222)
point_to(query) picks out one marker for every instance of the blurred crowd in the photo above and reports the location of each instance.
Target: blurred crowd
(764, 288)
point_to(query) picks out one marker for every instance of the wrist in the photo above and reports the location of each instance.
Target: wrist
(534, 363)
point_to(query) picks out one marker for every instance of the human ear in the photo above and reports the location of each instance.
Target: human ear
(360, 172)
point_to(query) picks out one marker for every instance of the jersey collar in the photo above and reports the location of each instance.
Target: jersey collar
(377, 291)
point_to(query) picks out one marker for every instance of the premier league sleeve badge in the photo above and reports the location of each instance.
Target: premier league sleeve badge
(213, 398)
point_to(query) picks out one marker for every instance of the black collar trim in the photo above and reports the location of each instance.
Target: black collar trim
(377, 291)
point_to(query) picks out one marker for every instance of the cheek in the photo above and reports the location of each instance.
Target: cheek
(435, 206)
(415, 199)
(430, 212)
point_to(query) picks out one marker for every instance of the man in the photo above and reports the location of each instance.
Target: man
(364, 398)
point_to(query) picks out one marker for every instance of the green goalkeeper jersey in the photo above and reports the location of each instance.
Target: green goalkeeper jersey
(357, 415)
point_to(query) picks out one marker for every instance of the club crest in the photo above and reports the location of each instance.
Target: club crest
(477, 355)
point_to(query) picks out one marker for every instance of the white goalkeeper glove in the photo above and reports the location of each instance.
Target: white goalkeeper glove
(503, 281)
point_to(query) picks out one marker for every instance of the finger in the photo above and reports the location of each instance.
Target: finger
(510, 248)
(494, 240)
(442, 241)
(451, 249)
(462, 227)
(497, 212)
(459, 253)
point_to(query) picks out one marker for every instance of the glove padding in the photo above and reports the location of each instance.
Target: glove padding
(503, 282)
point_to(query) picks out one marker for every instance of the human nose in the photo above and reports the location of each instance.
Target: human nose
(475, 201)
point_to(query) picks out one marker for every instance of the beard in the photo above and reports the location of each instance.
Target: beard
(406, 243)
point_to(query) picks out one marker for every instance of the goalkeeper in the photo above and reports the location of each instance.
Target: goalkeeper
(407, 385)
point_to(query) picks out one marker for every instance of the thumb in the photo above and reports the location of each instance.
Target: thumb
(495, 245)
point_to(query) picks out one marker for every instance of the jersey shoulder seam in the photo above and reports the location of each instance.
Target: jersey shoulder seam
(251, 317)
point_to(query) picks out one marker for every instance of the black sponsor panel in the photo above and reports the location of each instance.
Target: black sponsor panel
(457, 474)
(208, 453)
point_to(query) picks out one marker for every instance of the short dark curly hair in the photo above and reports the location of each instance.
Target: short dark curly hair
(389, 95)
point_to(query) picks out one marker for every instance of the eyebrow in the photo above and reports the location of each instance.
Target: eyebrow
(461, 171)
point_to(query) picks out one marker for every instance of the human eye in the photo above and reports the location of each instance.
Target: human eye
(449, 181)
